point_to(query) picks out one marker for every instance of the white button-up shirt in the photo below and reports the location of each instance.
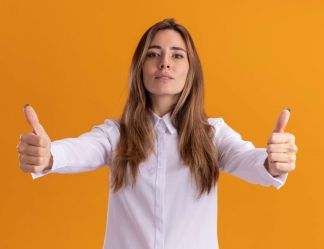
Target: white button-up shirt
(162, 210)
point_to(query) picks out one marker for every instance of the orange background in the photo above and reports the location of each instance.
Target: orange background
(70, 59)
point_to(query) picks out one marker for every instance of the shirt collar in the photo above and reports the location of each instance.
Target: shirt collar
(166, 118)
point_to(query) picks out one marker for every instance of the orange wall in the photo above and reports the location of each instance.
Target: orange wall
(70, 60)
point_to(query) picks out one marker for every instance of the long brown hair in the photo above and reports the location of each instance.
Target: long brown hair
(196, 136)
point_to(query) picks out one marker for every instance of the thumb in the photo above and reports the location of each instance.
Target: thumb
(32, 119)
(282, 121)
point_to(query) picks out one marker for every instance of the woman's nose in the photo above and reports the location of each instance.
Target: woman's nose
(164, 63)
(163, 66)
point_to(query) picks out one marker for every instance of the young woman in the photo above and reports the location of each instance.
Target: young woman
(164, 154)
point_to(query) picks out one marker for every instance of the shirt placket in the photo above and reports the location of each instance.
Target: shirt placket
(160, 187)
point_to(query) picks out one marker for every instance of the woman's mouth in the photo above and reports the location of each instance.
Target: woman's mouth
(163, 78)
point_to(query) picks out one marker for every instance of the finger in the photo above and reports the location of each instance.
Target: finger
(283, 148)
(32, 160)
(277, 172)
(281, 138)
(283, 167)
(32, 119)
(29, 168)
(282, 121)
(282, 157)
(32, 139)
(31, 150)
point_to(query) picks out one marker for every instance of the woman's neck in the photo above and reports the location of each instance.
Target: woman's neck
(161, 105)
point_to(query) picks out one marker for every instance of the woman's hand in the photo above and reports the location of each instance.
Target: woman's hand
(281, 148)
(34, 148)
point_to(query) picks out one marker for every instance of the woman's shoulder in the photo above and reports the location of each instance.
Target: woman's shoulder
(223, 129)
(112, 123)
(109, 126)
(216, 121)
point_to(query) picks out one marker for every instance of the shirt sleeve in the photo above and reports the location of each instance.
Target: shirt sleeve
(241, 159)
(87, 152)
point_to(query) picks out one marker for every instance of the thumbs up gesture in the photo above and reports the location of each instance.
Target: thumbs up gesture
(281, 148)
(34, 147)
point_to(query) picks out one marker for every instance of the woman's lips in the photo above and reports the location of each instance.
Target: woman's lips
(163, 78)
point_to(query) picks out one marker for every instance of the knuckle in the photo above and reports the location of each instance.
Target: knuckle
(273, 137)
(21, 136)
(291, 167)
(24, 136)
(271, 156)
(291, 148)
(20, 148)
(22, 167)
(292, 158)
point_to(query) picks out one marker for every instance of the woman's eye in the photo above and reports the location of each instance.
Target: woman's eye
(154, 54)
(151, 54)
(178, 56)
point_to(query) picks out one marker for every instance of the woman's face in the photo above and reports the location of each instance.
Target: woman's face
(166, 65)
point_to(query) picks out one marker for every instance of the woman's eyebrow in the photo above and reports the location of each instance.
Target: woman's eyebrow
(172, 48)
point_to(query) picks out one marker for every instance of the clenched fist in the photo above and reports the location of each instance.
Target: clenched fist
(34, 147)
(281, 148)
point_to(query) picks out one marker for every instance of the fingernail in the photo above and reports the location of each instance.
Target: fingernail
(26, 105)
(287, 108)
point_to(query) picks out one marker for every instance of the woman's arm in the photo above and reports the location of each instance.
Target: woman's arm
(87, 152)
(240, 158)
